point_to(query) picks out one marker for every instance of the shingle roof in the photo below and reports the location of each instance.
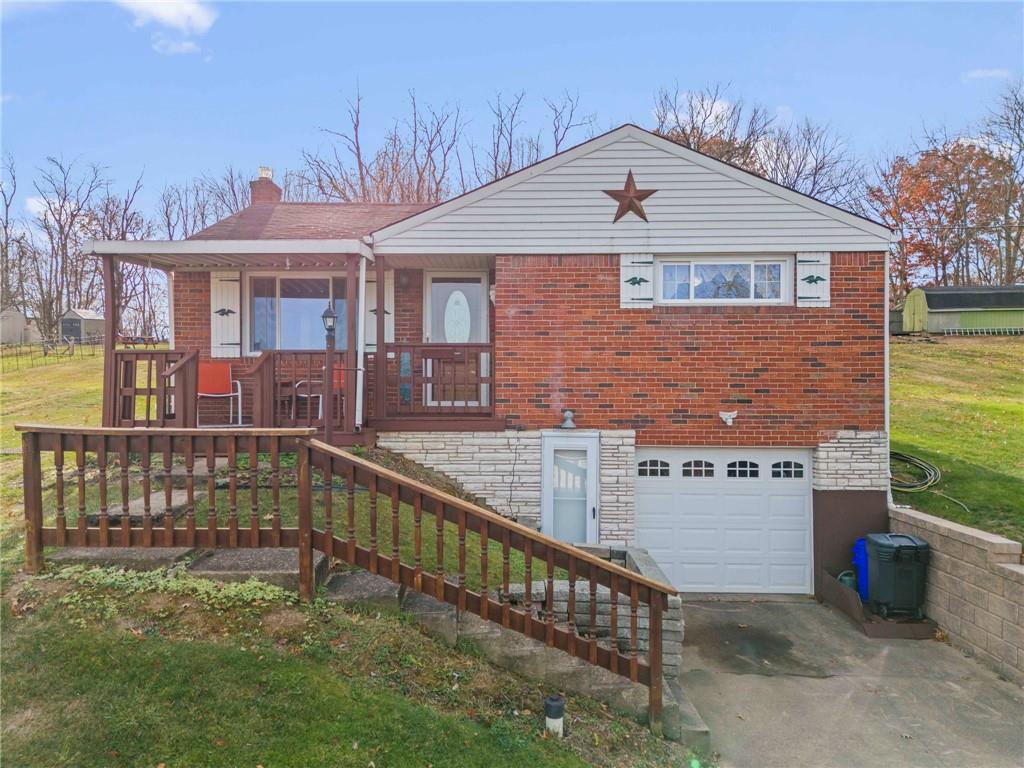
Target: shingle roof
(975, 297)
(299, 221)
(84, 314)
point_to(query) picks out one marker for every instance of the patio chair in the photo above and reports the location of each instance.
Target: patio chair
(215, 381)
(315, 389)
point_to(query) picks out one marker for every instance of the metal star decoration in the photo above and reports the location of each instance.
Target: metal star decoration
(629, 198)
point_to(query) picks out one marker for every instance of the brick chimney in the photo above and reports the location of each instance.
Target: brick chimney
(263, 189)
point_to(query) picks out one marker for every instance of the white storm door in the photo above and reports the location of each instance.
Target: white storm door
(569, 487)
(455, 312)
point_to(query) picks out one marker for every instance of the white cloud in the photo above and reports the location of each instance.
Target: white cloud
(191, 17)
(986, 74)
(167, 47)
(35, 205)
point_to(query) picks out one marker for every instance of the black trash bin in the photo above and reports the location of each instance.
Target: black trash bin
(897, 568)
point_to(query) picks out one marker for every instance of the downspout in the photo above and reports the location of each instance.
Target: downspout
(361, 337)
(885, 331)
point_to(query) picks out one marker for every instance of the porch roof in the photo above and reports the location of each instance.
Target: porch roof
(215, 254)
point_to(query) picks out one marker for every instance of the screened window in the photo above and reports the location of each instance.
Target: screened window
(652, 468)
(698, 468)
(755, 281)
(787, 469)
(286, 312)
(742, 469)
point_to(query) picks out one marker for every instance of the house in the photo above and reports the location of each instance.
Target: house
(964, 308)
(626, 342)
(15, 328)
(81, 325)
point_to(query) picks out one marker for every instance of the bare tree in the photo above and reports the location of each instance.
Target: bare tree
(713, 122)
(414, 163)
(1003, 135)
(13, 246)
(227, 193)
(564, 118)
(59, 275)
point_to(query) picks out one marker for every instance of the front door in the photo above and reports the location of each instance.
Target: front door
(455, 313)
(569, 486)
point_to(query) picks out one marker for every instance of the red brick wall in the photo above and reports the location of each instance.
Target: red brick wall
(795, 375)
(192, 311)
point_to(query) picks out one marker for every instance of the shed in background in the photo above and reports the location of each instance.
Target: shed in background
(991, 309)
(81, 325)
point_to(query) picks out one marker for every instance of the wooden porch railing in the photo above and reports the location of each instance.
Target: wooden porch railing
(154, 388)
(439, 379)
(288, 391)
(342, 505)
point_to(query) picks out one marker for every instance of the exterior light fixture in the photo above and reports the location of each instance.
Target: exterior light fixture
(330, 319)
(554, 715)
(727, 417)
(567, 419)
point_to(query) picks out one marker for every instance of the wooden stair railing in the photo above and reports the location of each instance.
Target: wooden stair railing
(154, 388)
(235, 481)
(432, 510)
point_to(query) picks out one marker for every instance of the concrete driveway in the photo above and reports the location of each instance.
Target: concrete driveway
(794, 683)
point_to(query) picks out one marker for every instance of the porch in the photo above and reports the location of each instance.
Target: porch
(435, 371)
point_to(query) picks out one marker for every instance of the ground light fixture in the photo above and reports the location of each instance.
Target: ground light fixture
(554, 715)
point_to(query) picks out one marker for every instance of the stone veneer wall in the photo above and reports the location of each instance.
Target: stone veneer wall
(504, 470)
(852, 461)
(637, 560)
(975, 588)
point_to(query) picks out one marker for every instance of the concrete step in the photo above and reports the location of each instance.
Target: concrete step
(131, 558)
(359, 586)
(136, 509)
(278, 566)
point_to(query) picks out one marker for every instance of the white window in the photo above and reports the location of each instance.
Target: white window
(787, 469)
(742, 469)
(285, 311)
(698, 468)
(723, 281)
(652, 468)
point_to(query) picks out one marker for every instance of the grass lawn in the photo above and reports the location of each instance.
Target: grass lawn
(959, 404)
(106, 668)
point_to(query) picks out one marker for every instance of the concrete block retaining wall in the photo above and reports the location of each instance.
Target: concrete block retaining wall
(975, 588)
(635, 560)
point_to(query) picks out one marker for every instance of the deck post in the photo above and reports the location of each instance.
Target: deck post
(351, 334)
(380, 387)
(32, 479)
(305, 481)
(110, 323)
(654, 651)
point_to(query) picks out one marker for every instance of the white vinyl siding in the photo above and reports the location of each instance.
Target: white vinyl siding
(700, 206)
(225, 314)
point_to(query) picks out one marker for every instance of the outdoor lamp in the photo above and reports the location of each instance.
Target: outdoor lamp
(330, 319)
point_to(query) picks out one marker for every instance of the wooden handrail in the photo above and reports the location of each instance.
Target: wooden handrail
(156, 431)
(188, 358)
(492, 518)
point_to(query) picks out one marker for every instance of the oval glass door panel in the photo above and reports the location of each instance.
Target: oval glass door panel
(458, 322)
(569, 495)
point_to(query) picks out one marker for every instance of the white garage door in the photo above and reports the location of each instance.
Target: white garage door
(727, 520)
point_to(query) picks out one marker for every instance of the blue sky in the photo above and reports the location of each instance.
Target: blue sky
(178, 90)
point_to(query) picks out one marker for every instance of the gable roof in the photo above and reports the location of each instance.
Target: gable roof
(975, 297)
(683, 176)
(312, 221)
(83, 314)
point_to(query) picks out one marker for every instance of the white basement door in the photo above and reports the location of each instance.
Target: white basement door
(727, 519)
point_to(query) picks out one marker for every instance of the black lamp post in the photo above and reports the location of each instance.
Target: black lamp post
(330, 319)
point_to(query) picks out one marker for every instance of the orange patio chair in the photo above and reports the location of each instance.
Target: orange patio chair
(215, 381)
